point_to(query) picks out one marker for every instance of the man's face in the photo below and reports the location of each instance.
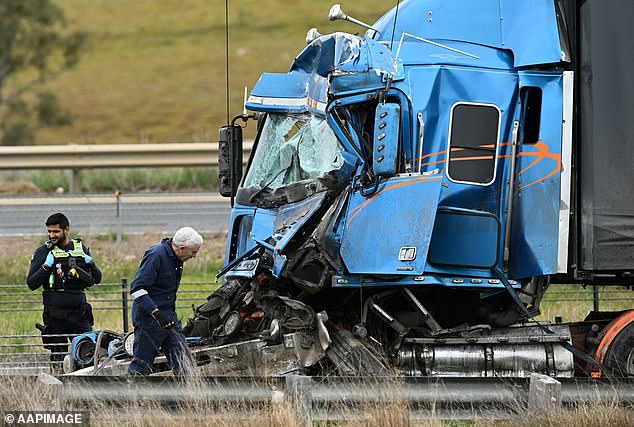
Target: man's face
(57, 235)
(184, 253)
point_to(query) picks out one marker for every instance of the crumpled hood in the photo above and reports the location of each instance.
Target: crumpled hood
(273, 229)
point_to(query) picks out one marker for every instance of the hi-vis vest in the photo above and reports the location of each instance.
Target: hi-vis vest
(64, 273)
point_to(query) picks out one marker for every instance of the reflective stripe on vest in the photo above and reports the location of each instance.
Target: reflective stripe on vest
(59, 254)
(77, 251)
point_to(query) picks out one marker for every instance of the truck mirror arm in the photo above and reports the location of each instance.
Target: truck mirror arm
(244, 117)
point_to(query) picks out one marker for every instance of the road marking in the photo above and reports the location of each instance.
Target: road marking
(100, 199)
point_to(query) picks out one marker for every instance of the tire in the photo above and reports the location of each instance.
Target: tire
(619, 358)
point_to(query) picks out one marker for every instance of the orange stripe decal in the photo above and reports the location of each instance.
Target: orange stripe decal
(414, 181)
(541, 154)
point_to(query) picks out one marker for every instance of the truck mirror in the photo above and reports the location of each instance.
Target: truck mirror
(386, 136)
(229, 160)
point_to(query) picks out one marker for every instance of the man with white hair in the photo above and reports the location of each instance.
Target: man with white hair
(153, 289)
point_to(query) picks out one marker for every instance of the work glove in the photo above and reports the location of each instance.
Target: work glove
(87, 259)
(50, 260)
(163, 320)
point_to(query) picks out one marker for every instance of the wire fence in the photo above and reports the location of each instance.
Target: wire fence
(22, 351)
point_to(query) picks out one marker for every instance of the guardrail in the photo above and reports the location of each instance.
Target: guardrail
(76, 157)
(303, 400)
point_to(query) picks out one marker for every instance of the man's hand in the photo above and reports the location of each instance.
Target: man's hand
(163, 320)
(87, 259)
(50, 260)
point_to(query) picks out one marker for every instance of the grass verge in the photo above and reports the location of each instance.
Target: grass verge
(129, 180)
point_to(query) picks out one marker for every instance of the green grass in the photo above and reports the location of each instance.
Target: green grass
(110, 180)
(105, 300)
(154, 70)
(573, 303)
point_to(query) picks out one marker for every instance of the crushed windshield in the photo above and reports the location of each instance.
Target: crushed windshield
(293, 148)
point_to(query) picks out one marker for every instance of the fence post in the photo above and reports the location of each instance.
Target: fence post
(544, 394)
(124, 302)
(595, 297)
(72, 175)
(119, 232)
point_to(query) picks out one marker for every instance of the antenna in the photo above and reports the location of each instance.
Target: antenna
(398, 51)
(227, 56)
(336, 13)
(398, 3)
(244, 109)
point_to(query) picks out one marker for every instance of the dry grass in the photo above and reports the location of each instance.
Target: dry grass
(19, 187)
(601, 414)
(195, 410)
(386, 414)
(151, 414)
(192, 410)
(105, 250)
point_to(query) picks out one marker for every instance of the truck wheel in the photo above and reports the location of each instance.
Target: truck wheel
(619, 358)
(352, 357)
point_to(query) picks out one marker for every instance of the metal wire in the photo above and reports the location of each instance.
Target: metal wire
(37, 336)
(585, 299)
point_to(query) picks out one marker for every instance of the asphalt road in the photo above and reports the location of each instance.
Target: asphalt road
(96, 214)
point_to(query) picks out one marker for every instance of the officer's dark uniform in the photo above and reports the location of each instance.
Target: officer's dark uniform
(155, 286)
(65, 308)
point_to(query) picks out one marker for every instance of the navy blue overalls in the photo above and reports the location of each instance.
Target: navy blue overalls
(155, 286)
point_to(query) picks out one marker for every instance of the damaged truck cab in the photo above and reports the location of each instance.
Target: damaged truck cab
(416, 189)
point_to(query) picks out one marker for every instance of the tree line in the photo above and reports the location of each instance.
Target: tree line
(35, 47)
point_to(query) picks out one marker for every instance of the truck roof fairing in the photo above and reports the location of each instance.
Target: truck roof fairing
(527, 28)
(294, 92)
(304, 87)
(344, 53)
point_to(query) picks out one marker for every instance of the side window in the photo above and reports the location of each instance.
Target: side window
(531, 98)
(473, 143)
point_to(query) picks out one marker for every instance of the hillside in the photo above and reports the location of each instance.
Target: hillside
(155, 69)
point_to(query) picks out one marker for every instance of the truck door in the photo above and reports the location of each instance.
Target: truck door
(468, 128)
(467, 229)
(387, 223)
(541, 197)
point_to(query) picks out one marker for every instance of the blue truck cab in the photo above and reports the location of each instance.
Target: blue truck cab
(427, 180)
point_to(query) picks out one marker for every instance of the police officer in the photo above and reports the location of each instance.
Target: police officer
(63, 268)
(154, 309)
